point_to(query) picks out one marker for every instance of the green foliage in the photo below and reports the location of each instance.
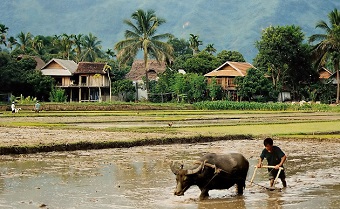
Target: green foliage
(204, 61)
(192, 86)
(229, 105)
(233, 56)
(189, 87)
(210, 48)
(215, 90)
(23, 100)
(285, 58)
(57, 95)
(200, 63)
(142, 36)
(162, 89)
(328, 48)
(180, 46)
(323, 92)
(255, 87)
(91, 48)
(20, 77)
(194, 43)
(124, 88)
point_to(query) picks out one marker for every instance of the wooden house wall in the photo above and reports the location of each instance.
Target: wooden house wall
(66, 81)
(53, 65)
(95, 80)
(227, 83)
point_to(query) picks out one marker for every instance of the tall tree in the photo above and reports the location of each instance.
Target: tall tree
(143, 36)
(11, 42)
(232, 56)
(285, 57)
(328, 48)
(24, 40)
(78, 46)
(37, 43)
(110, 53)
(255, 86)
(66, 44)
(3, 33)
(91, 48)
(180, 46)
(195, 43)
(210, 48)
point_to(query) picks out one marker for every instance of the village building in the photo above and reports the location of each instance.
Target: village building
(225, 76)
(82, 82)
(325, 75)
(40, 62)
(137, 75)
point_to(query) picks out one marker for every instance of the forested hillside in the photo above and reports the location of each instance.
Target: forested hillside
(231, 25)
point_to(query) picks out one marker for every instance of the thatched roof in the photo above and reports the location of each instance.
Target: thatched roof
(59, 67)
(90, 68)
(230, 69)
(137, 71)
(40, 62)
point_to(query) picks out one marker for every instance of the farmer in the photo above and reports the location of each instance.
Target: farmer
(13, 107)
(37, 107)
(275, 157)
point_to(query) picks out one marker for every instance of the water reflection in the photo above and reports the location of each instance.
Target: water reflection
(236, 202)
(140, 178)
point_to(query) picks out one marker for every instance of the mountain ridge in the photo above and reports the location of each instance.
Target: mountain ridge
(230, 25)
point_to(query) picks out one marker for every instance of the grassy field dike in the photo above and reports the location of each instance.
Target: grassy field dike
(82, 126)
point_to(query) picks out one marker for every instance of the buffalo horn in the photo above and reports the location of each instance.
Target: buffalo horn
(193, 171)
(173, 169)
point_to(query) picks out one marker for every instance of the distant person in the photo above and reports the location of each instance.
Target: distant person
(13, 107)
(37, 107)
(275, 157)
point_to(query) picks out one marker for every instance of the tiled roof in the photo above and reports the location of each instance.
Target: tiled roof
(90, 68)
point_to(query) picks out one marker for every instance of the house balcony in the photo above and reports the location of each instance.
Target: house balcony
(81, 85)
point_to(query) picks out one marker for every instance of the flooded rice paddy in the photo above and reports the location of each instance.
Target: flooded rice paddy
(140, 177)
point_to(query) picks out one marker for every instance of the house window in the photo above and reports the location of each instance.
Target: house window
(83, 80)
(219, 81)
(58, 81)
(231, 81)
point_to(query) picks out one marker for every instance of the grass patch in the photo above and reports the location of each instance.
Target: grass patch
(267, 129)
(31, 124)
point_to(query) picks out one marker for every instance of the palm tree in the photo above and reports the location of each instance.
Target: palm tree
(210, 48)
(142, 36)
(3, 33)
(107, 69)
(37, 44)
(91, 48)
(110, 53)
(328, 49)
(78, 46)
(11, 42)
(66, 44)
(194, 43)
(24, 40)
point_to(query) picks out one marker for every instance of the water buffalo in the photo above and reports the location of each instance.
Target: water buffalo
(213, 172)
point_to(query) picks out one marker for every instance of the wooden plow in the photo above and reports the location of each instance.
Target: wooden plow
(266, 166)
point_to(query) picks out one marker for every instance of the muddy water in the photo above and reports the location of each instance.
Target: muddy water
(140, 178)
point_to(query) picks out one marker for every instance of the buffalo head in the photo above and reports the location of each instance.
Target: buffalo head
(184, 178)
